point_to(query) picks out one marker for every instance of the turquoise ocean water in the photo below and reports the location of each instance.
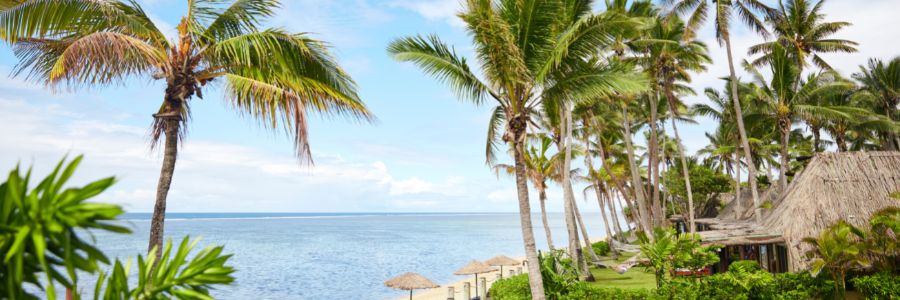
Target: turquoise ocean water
(342, 255)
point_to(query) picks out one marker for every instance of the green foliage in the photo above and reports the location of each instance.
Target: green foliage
(516, 288)
(511, 288)
(40, 225)
(174, 276)
(706, 183)
(601, 248)
(744, 266)
(878, 286)
(838, 249)
(669, 251)
(558, 273)
(882, 243)
(744, 283)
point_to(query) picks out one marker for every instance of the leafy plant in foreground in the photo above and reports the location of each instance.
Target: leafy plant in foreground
(38, 232)
(174, 276)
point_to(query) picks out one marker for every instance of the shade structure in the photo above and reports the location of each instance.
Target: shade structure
(474, 267)
(410, 281)
(500, 261)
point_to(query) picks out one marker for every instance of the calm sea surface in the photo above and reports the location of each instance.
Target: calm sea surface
(340, 255)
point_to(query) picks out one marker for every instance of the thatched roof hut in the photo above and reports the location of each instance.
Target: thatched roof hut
(833, 186)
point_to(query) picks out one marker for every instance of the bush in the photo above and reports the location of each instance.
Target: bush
(744, 266)
(512, 288)
(584, 290)
(601, 248)
(878, 286)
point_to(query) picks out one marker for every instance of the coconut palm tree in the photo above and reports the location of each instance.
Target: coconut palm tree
(670, 59)
(539, 166)
(749, 12)
(838, 249)
(800, 28)
(528, 51)
(881, 81)
(784, 104)
(276, 77)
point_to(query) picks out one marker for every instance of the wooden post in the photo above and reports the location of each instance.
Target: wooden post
(483, 284)
(450, 293)
(467, 291)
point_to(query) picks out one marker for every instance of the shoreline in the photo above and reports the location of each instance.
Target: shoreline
(441, 293)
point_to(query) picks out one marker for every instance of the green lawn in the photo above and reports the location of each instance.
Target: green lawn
(633, 279)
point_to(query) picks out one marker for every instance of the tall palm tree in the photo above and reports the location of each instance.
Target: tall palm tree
(528, 51)
(784, 104)
(800, 28)
(671, 58)
(749, 12)
(882, 81)
(276, 77)
(539, 166)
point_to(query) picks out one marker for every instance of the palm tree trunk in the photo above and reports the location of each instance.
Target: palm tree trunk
(785, 160)
(653, 164)
(840, 140)
(611, 204)
(738, 206)
(609, 235)
(542, 195)
(817, 138)
(569, 196)
(638, 186)
(684, 167)
(535, 281)
(170, 153)
(584, 234)
(745, 143)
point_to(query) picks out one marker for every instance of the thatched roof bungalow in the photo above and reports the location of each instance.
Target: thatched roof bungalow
(833, 186)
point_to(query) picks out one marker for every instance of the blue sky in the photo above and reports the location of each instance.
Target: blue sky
(425, 153)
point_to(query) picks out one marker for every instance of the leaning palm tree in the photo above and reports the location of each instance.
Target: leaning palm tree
(881, 81)
(749, 12)
(528, 51)
(670, 59)
(276, 77)
(540, 166)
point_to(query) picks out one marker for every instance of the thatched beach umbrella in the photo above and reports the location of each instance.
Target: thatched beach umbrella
(500, 261)
(410, 281)
(474, 267)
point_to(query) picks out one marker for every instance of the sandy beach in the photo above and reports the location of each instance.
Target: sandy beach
(441, 293)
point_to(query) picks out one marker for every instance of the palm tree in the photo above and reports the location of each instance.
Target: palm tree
(882, 82)
(528, 51)
(800, 29)
(724, 10)
(670, 59)
(784, 103)
(539, 167)
(276, 77)
(838, 249)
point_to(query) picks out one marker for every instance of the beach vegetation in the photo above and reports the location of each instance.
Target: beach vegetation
(669, 251)
(43, 245)
(601, 248)
(275, 77)
(883, 285)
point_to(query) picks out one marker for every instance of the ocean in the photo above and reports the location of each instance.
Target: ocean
(341, 255)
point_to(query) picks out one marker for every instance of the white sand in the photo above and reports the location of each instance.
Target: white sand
(441, 293)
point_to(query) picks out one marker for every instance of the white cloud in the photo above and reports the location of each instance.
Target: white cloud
(434, 10)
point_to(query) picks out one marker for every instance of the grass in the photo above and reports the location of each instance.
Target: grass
(634, 278)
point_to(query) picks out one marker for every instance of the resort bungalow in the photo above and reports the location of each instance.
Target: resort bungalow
(833, 186)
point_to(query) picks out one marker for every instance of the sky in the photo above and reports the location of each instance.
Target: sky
(425, 153)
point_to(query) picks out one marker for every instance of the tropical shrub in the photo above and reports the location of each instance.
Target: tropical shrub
(173, 276)
(749, 283)
(39, 236)
(584, 290)
(601, 248)
(744, 266)
(669, 251)
(41, 246)
(511, 288)
(801, 285)
(838, 249)
(878, 286)
(883, 239)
